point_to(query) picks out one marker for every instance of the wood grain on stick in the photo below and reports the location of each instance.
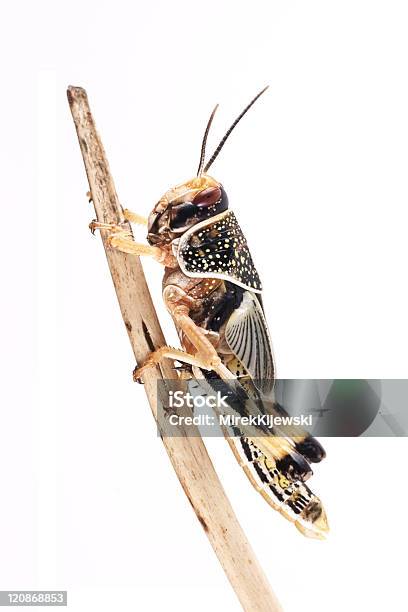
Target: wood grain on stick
(187, 452)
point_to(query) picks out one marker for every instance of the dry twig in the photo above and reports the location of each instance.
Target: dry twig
(187, 453)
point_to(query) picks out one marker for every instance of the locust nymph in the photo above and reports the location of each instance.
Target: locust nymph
(212, 291)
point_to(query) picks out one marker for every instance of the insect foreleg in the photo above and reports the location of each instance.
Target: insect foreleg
(134, 217)
(122, 240)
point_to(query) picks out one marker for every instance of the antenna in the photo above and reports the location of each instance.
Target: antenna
(246, 109)
(207, 129)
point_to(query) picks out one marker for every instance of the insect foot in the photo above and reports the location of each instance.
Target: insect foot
(138, 372)
(138, 380)
(96, 225)
(137, 376)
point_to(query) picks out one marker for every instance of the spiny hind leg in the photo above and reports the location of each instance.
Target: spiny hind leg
(203, 353)
(166, 352)
(177, 302)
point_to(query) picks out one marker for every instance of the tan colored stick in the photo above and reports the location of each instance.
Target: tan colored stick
(188, 454)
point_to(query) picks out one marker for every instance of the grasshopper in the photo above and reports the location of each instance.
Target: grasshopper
(212, 291)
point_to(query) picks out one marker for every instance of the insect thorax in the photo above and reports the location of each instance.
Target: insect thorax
(217, 248)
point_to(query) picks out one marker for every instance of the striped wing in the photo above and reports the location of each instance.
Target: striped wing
(247, 336)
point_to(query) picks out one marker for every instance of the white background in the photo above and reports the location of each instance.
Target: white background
(317, 174)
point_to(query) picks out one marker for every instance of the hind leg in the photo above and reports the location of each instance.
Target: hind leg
(203, 354)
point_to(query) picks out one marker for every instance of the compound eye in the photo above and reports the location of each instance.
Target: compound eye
(181, 214)
(207, 197)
